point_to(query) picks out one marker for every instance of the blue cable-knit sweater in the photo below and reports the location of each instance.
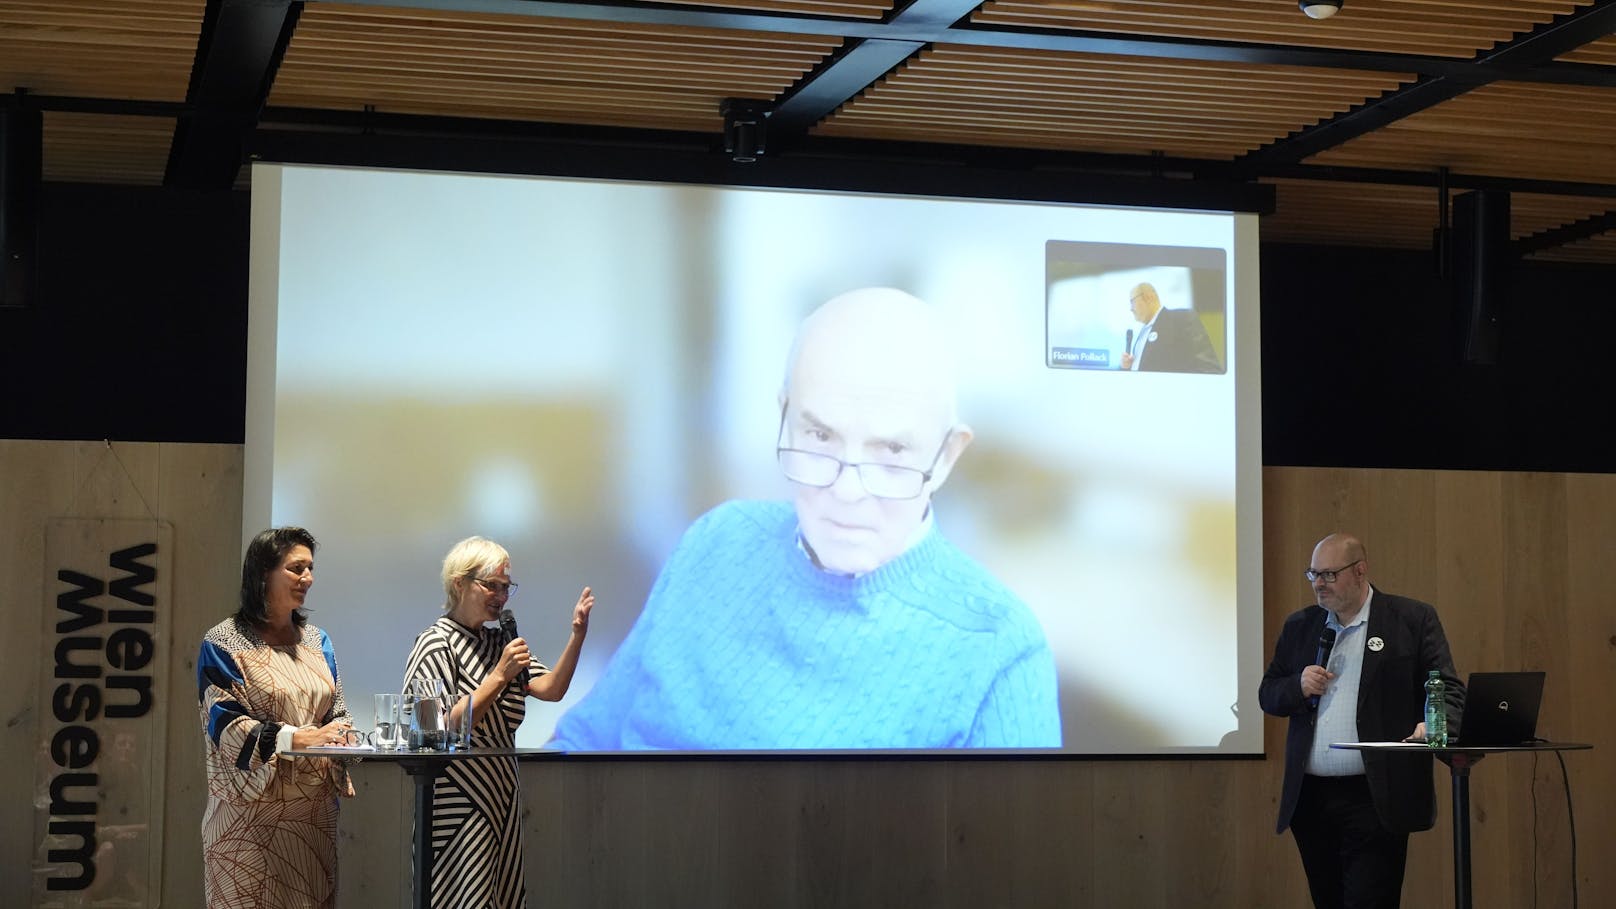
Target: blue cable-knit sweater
(745, 644)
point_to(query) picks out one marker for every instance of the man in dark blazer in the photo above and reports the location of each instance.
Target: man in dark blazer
(1172, 340)
(1351, 811)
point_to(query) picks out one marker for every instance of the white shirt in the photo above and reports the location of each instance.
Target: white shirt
(1337, 718)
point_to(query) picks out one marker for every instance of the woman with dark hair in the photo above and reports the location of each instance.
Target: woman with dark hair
(268, 682)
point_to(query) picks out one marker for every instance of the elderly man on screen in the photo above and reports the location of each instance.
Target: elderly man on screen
(842, 619)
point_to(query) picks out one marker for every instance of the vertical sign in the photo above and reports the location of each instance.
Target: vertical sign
(103, 705)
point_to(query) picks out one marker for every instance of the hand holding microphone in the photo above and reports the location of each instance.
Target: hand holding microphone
(1127, 350)
(1316, 678)
(516, 652)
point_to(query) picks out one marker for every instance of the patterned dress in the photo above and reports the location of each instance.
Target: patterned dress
(476, 821)
(269, 836)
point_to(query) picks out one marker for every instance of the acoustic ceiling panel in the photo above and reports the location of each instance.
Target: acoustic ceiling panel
(1599, 250)
(113, 74)
(1093, 102)
(1507, 129)
(126, 49)
(1599, 53)
(844, 8)
(1449, 28)
(519, 67)
(1532, 213)
(96, 148)
(1352, 214)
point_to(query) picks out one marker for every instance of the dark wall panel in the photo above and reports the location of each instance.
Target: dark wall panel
(1362, 366)
(139, 327)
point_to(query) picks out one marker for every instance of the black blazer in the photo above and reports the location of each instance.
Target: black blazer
(1391, 701)
(1177, 342)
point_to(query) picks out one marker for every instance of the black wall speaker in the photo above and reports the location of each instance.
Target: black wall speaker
(21, 168)
(1482, 266)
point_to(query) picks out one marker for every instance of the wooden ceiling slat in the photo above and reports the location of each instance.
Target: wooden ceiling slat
(606, 69)
(584, 115)
(516, 51)
(1268, 24)
(671, 108)
(1293, 102)
(1094, 102)
(1210, 90)
(1186, 104)
(1504, 129)
(1598, 53)
(525, 33)
(128, 49)
(1036, 140)
(669, 76)
(1600, 250)
(1141, 139)
(1351, 214)
(527, 68)
(993, 114)
(1146, 67)
(870, 10)
(1462, 42)
(1532, 213)
(1389, 26)
(89, 148)
(380, 91)
(476, 30)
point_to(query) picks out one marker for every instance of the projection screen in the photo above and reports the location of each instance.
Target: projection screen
(590, 372)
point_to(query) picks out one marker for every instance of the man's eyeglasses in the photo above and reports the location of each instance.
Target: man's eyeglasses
(1328, 574)
(884, 481)
(498, 588)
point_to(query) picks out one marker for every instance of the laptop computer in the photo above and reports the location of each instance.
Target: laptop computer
(1500, 709)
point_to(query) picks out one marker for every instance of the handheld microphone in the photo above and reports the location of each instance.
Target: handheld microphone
(507, 624)
(1127, 342)
(1326, 644)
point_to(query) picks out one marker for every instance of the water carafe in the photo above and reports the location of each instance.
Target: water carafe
(428, 716)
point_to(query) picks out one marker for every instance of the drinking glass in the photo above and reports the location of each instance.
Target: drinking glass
(389, 732)
(460, 735)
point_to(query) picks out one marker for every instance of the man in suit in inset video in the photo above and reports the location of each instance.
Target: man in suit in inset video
(1173, 340)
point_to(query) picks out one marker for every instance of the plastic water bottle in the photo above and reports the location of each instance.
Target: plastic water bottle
(1436, 711)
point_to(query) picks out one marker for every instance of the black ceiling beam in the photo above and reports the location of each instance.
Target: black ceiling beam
(1336, 174)
(616, 154)
(858, 65)
(1565, 234)
(1537, 47)
(237, 52)
(924, 31)
(1027, 159)
(381, 127)
(117, 107)
(836, 82)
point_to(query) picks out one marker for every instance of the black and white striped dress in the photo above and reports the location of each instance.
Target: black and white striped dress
(476, 821)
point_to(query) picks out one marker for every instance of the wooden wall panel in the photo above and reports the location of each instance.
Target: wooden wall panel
(1517, 564)
(196, 488)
